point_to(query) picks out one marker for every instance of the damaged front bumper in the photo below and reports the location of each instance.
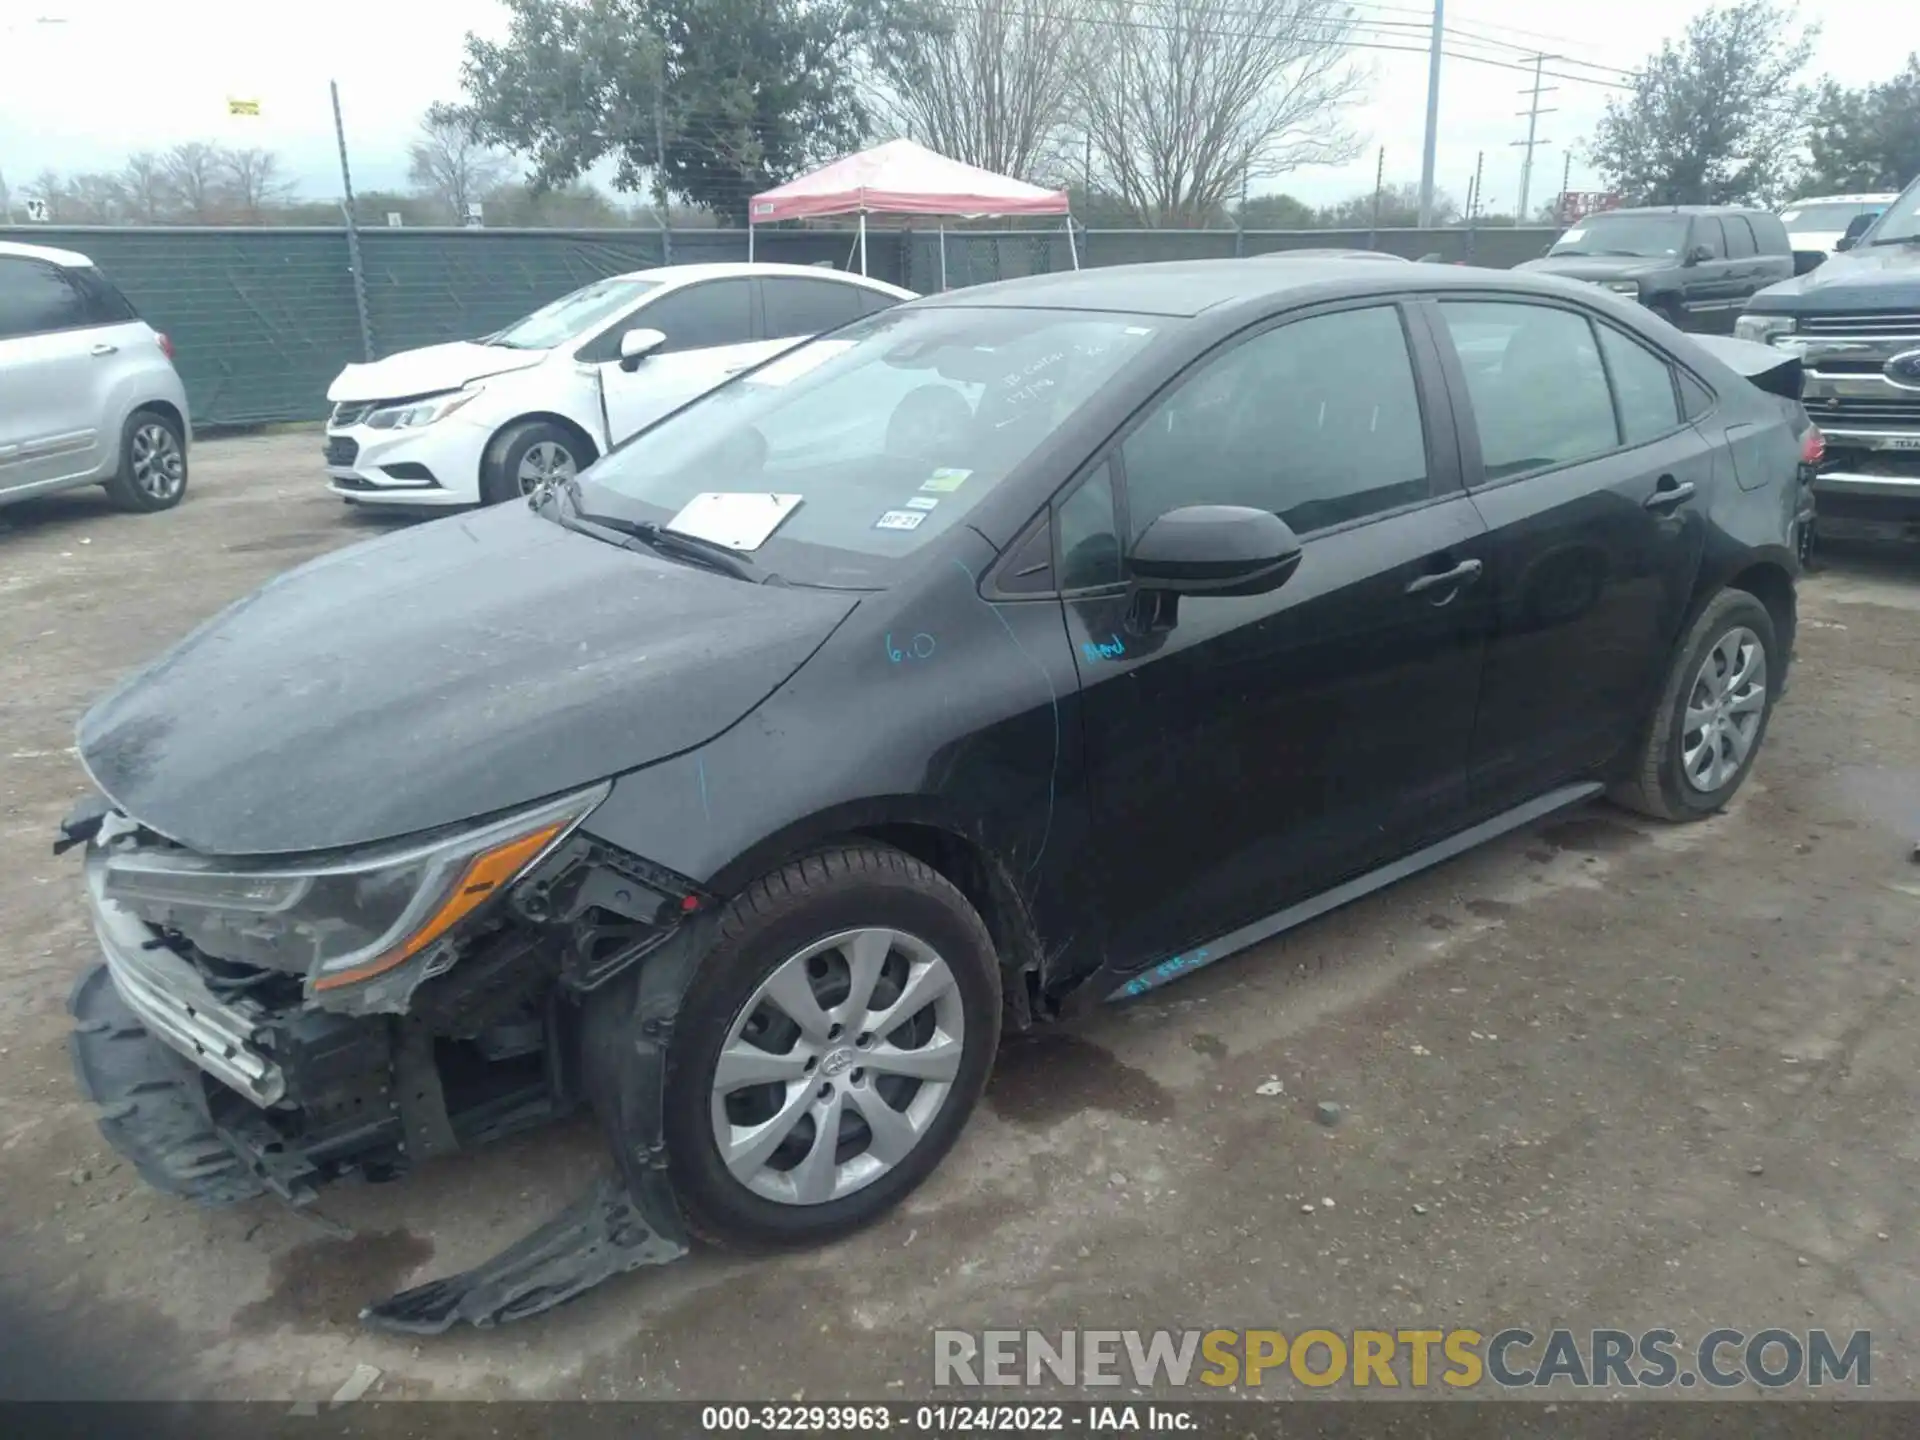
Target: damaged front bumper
(221, 1081)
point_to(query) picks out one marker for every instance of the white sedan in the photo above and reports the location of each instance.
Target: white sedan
(482, 421)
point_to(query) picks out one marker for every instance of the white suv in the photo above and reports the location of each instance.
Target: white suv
(486, 420)
(88, 392)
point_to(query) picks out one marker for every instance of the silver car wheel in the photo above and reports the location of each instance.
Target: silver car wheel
(159, 467)
(1724, 709)
(544, 462)
(835, 1069)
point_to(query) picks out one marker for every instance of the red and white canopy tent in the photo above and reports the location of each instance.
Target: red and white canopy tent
(902, 178)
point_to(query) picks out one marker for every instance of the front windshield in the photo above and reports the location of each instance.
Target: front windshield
(1899, 222)
(889, 431)
(1818, 219)
(560, 320)
(1650, 236)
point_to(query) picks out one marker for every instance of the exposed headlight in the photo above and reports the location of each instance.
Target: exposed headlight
(1621, 287)
(420, 412)
(1763, 329)
(346, 920)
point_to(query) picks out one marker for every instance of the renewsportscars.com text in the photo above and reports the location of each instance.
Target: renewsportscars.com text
(1512, 1358)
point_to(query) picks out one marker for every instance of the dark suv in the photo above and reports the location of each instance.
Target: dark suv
(1694, 265)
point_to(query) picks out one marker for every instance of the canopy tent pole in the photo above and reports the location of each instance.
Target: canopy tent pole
(943, 257)
(1072, 248)
(749, 239)
(863, 242)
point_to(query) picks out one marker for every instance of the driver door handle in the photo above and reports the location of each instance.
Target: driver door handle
(1669, 493)
(104, 349)
(1465, 573)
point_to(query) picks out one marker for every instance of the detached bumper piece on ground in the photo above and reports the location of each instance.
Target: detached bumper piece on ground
(219, 1087)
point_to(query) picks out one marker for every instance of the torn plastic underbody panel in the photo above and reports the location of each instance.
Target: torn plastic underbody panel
(221, 1081)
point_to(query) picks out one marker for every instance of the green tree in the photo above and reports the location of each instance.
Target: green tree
(1274, 212)
(1715, 119)
(744, 93)
(1866, 139)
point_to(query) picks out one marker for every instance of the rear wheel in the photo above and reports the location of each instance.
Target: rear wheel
(152, 474)
(1706, 730)
(830, 1048)
(528, 454)
(1668, 309)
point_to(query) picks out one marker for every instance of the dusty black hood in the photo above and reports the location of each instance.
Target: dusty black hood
(1597, 267)
(443, 672)
(1873, 278)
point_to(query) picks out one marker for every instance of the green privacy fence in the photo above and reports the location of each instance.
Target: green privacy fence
(262, 319)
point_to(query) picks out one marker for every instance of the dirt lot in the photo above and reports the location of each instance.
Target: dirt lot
(1606, 1073)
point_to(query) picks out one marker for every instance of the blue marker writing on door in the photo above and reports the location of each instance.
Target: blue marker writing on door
(1109, 649)
(918, 648)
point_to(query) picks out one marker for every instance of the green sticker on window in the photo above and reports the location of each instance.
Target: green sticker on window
(945, 480)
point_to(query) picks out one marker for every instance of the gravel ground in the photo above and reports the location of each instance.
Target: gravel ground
(1603, 1073)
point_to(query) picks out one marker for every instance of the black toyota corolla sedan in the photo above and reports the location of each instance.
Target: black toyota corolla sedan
(1013, 650)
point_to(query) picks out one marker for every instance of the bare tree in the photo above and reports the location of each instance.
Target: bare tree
(1184, 101)
(449, 166)
(252, 182)
(50, 189)
(149, 193)
(195, 170)
(96, 198)
(989, 83)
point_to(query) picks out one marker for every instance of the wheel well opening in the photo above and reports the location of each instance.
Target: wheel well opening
(1772, 587)
(589, 452)
(162, 407)
(991, 892)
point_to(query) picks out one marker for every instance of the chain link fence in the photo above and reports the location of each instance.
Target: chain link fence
(263, 319)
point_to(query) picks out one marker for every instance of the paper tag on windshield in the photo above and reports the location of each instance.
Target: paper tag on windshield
(900, 520)
(738, 521)
(1573, 235)
(944, 480)
(795, 363)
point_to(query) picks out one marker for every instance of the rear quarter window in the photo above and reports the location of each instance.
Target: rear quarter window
(1770, 234)
(104, 303)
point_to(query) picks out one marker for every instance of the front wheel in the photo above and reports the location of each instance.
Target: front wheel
(1706, 730)
(830, 1048)
(153, 464)
(529, 454)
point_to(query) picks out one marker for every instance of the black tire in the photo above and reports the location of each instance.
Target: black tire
(774, 918)
(1657, 786)
(500, 466)
(1668, 309)
(142, 482)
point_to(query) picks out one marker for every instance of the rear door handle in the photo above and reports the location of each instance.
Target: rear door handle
(1463, 574)
(1669, 493)
(104, 349)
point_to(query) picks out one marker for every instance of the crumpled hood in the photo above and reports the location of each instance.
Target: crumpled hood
(1873, 277)
(430, 369)
(444, 672)
(1596, 267)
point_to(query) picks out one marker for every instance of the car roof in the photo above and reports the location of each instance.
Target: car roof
(1185, 288)
(1678, 210)
(1324, 251)
(1886, 197)
(687, 274)
(69, 258)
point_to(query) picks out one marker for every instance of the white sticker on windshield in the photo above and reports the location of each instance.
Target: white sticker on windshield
(797, 362)
(944, 480)
(921, 502)
(738, 521)
(1139, 330)
(1787, 217)
(1574, 234)
(900, 520)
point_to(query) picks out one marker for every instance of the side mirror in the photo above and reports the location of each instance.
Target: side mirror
(1856, 227)
(1697, 253)
(1216, 550)
(637, 344)
(1808, 260)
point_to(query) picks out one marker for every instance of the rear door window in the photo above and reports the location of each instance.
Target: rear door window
(1740, 243)
(37, 298)
(1538, 387)
(1770, 235)
(812, 307)
(1643, 385)
(1707, 232)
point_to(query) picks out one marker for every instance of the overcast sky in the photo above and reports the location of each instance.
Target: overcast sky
(124, 75)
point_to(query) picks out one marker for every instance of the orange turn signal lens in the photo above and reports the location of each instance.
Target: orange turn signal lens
(485, 874)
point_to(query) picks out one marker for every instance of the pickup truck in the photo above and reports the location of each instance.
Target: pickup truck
(1854, 324)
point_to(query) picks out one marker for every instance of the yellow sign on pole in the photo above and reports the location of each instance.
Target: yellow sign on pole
(243, 107)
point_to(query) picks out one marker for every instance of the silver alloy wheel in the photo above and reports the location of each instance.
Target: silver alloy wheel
(159, 469)
(544, 461)
(834, 1070)
(1724, 707)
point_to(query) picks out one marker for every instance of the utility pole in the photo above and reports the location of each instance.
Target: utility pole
(353, 229)
(1566, 181)
(1533, 112)
(1433, 116)
(1379, 181)
(660, 196)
